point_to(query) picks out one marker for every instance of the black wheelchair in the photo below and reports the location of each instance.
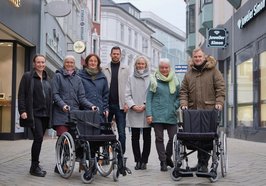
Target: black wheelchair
(91, 143)
(201, 130)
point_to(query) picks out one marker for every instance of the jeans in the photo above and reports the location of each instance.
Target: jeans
(146, 133)
(38, 132)
(159, 140)
(120, 118)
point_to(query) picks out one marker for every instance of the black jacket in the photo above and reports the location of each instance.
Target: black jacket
(25, 97)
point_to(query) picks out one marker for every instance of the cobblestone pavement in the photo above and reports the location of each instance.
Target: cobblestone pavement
(247, 162)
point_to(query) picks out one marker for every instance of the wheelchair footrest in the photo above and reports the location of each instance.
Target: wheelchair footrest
(203, 174)
(186, 174)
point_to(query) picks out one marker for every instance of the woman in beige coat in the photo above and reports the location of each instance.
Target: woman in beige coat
(135, 98)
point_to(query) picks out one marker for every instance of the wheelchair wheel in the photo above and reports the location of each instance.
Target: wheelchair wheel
(87, 177)
(65, 155)
(106, 158)
(224, 158)
(178, 152)
(175, 174)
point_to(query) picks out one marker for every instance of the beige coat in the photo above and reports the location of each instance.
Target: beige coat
(203, 89)
(123, 74)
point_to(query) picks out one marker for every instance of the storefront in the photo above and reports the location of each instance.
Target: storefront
(19, 41)
(243, 63)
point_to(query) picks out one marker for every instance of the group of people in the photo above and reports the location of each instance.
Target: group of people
(140, 100)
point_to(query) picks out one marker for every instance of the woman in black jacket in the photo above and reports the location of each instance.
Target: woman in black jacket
(34, 105)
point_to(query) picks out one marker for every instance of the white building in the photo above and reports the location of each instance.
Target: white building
(121, 26)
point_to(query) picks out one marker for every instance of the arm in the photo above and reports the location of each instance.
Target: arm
(56, 92)
(149, 106)
(105, 96)
(184, 93)
(82, 98)
(22, 97)
(128, 94)
(219, 86)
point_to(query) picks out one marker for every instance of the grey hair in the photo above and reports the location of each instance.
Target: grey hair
(164, 61)
(69, 57)
(145, 59)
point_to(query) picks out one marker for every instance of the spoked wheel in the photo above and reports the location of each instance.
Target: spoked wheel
(65, 155)
(223, 149)
(178, 152)
(105, 159)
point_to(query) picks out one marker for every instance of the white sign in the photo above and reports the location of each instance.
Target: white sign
(257, 8)
(79, 47)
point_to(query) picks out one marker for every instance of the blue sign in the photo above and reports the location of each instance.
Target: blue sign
(181, 68)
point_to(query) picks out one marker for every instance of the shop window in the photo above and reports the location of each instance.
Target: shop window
(245, 93)
(263, 89)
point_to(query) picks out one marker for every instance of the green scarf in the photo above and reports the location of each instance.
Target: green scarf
(170, 79)
(92, 72)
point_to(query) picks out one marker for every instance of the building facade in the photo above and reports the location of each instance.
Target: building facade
(242, 61)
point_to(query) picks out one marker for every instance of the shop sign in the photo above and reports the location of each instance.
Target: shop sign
(217, 37)
(257, 8)
(181, 68)
(79, 47)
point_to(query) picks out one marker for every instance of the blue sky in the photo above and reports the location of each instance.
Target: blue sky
(173, 11)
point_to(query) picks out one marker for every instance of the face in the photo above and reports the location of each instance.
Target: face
(93, 62)
(198, 58)
(69, 64)
(164, 69)
(39, 63)
(141, 65)
(116, 55)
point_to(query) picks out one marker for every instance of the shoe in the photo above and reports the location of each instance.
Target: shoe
(193, 169)
(138, 166)
(143, 166)
(169, 162)
(56, 170)
(37, 171)
(163, 166)
(203, 169)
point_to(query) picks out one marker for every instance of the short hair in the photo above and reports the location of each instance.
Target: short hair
(69, 57)
(197, 50)
(38, 55)
(145, 59)
(97, 57)
(116, 48)
(165, 61)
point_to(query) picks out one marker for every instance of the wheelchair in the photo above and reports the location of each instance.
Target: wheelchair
(91, 143)
(200, 131)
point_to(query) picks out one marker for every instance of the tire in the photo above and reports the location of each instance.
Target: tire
(223, 153)
(87, 177)
(115, 172)
(175, 175)
(106, 158)
(65, 155)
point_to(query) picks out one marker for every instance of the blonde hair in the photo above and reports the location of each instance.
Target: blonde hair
(145, 60)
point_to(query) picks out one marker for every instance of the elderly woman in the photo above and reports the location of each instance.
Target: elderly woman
(135, 98)
(95, 84)
(161, 106)
(68, 93)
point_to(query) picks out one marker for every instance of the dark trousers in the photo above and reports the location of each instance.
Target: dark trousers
(159, 140)
(146, 133)
(120, 119)
(41, 124)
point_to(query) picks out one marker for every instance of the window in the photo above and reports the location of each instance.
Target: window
(122, 32)
(95, 11)
(136, 40)
(144, 45)
(191, 19)
(245, 93)
(129, 37)
(263, 89)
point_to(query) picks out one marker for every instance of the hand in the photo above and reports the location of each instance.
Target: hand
(66, 108)
(125, 108)
(149, 119)
(24, 115)
(218, 106)
(106, 113)
(184, 108)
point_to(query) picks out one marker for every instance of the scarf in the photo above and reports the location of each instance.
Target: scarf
(158, 76)
(138, 74)
(92, 72)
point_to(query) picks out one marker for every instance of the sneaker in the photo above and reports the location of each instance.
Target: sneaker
(169, 162)
(163, 166)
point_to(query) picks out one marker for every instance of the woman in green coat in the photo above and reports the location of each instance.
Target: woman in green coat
(161, 109)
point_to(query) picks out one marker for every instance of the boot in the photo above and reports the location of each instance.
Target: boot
(138, 166)
(169, 162)
(163, 166)
(36, 170)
